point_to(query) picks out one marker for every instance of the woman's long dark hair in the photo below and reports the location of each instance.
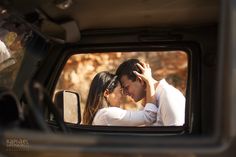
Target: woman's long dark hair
(95, 100)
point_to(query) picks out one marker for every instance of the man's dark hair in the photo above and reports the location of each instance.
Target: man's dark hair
(127, 68)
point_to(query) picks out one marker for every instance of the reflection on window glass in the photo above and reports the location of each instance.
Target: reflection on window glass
(12, 34)
(81, 69)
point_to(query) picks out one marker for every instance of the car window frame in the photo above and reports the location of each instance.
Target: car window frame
(191, 48)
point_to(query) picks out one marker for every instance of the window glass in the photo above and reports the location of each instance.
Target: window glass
(80, 69)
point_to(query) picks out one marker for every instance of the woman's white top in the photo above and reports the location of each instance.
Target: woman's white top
(119, 117)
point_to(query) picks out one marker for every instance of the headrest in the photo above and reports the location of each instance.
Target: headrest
(10, 109)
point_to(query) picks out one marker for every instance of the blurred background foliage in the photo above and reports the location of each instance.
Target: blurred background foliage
(80, 69)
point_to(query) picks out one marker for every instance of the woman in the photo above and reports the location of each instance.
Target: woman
(103, 103)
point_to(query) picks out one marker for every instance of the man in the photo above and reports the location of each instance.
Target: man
(169, 100)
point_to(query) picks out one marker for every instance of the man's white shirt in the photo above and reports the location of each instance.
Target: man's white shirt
(171, 105)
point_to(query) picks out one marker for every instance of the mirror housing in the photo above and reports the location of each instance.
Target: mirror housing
(68, 103)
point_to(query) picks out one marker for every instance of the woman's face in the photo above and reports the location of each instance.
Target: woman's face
(114, 98)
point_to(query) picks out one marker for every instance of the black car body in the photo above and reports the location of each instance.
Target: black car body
(51, 31)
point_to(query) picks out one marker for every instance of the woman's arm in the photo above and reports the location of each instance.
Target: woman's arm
(115, 116)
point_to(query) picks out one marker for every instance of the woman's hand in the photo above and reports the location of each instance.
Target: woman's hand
(146, 76)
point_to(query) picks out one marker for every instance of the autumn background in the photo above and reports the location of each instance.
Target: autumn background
(80, 70)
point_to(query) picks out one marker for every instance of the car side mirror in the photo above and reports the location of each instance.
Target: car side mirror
(68, 103)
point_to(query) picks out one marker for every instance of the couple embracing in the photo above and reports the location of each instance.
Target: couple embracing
(164, 105)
